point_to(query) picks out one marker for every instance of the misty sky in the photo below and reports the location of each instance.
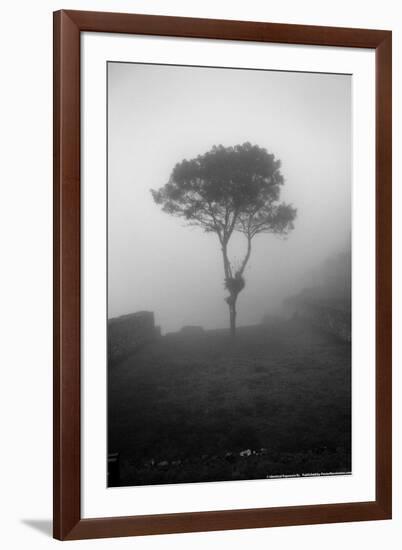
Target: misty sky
(159, 115)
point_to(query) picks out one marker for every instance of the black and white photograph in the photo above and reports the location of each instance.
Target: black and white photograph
(229, 271)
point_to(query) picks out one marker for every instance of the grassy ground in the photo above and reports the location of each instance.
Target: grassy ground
(275, 402)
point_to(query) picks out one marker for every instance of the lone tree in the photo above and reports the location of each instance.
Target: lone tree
(225, 190)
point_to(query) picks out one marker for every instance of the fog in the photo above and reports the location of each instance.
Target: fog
(159, 115)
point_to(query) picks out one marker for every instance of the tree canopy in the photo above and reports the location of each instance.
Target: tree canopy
(229, 189)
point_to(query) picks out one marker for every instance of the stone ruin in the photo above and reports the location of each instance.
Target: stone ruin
(128, 333)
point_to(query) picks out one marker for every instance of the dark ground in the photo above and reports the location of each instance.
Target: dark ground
(202, 408)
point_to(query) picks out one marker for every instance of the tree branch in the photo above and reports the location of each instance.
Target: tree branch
(246, 257)
(226, 262)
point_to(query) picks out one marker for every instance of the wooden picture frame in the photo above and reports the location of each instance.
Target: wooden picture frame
(68, 523)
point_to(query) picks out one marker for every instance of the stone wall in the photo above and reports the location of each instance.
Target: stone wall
(334, 318)
(327, 303)
(126, 334)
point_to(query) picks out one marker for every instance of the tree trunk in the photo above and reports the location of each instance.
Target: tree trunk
(232, 314)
